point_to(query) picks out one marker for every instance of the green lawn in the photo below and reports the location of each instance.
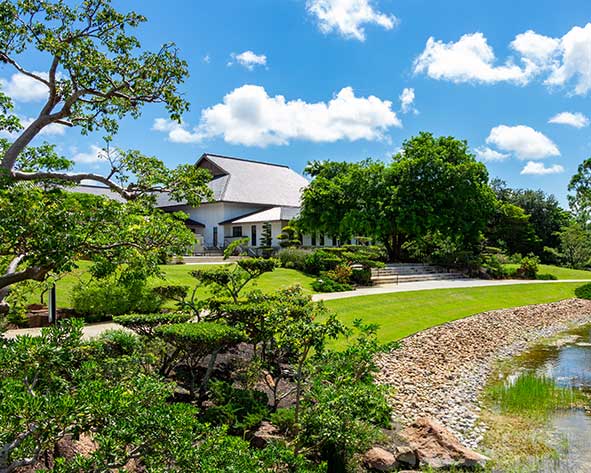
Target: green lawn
(560, 273)
(404, 313)
(179, 275)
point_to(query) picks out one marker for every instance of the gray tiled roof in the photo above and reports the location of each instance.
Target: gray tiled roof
(255, 182)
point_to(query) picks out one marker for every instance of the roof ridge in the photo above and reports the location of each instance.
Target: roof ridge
(247, 160)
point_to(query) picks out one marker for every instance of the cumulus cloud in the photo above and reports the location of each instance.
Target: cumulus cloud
(487, 154)
(575, 64)
(22, 88)
(407, 100)
(250, 117)
(523, 141)
(249, 60)
(577, 120)
(93, 157)
(538, 169)
(348, 17)
(561, 61)
(471, 59)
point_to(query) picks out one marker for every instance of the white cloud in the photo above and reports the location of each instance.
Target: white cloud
(471, 59)
(407, 100)
(575, 48)
(348, 17)
(487, 154)
(207, 59)
(249, 59)
(94, 156)
(523, 141)
(249, 116)
(538, 169)
(578, 120)
(22, 88)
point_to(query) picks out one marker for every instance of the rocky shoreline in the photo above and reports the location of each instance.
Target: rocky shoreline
(440, 372)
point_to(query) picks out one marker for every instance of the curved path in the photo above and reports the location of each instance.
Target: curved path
(92, 330)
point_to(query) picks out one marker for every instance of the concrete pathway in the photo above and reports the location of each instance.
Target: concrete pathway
(93, 330)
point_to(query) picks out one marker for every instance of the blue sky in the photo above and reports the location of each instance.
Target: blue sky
(493, 73)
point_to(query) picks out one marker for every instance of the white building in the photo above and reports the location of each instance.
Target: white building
(246, 195)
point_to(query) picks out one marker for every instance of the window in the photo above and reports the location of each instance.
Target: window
(253, 235)
(237, 232)
(322, 239)
(215, 237)
(334, 241)
(313, 239)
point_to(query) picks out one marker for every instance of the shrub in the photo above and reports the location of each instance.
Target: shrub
(320, 260)
(528, 267)
(284, 420)
(192, 342)
(546, 277)
(292, 258)
(144, 324)
(104, 298)
(361, 277)
(493, 267)
(328, 285)
(171, 292)
(341, 274)
(239, 409)
(115, 343)
(583, 292)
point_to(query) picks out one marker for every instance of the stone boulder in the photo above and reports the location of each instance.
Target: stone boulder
(378, 459)
(436, 447)
(265, 434)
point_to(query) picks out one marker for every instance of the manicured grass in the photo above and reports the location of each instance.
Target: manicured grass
(404, 313)
(281, 278)
(560, 273)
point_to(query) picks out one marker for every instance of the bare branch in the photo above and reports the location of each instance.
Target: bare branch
(5, 58)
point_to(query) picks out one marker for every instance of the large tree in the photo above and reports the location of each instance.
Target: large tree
(431, 185)
(546, 216)
(97, 74)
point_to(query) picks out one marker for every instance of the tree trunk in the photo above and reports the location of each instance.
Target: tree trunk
(393, 247)
(16, 148)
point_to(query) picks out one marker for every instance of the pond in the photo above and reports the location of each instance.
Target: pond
(566, 361)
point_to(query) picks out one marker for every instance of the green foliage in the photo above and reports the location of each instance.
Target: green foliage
(266, 240)
(510, 228)
(284, 420)
(344, 409)
(145, 324)
(546, 277)
(231, 281)
(172, 292)
(239, 409)
(116, 343)
(404, 199)
(328, 285)
(528, 267)
(235, 247)
(293, 258)
(493, 266)
(341, 274)
(104, 298)
(361, 277)
(190, 343)
(289, 237)
(320, 260)
(583, 292)
(580, 185)
(575, 245)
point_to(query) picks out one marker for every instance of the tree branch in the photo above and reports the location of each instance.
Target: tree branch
(7, 59)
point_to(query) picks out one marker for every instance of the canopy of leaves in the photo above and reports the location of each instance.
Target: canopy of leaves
(144, 324)
(200, 339)
(433, 184)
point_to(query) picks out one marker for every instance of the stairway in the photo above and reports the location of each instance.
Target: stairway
(411, 272)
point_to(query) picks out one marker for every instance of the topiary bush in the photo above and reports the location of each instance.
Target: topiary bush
(320, 260)
(293, 258)
(528, 269)
(361, 277)
(101, 299)
(191, 343)
(145, 324)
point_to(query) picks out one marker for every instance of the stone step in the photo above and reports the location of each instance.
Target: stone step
(415, 278)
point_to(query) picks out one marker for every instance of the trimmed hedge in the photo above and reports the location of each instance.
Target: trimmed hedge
(583, 292)
(144, 324)
(201, 338)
